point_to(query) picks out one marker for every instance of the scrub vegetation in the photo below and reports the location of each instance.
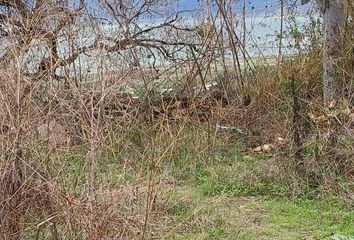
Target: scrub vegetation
(144, 120)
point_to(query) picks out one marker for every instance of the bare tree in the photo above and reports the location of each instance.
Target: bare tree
(46, 23)
(334, 18)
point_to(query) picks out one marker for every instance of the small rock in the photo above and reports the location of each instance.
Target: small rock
(258, 149)
(267, 148)
(280, 140)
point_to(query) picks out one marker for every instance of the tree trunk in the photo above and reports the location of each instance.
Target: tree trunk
(334, 19)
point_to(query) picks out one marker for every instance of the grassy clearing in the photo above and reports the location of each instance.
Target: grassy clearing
(229, 195)
(220, 205)
(223, 217)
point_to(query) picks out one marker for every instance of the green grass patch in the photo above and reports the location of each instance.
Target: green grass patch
(309, 219)
(220, 179)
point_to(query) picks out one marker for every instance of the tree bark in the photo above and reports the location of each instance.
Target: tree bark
(334, 19)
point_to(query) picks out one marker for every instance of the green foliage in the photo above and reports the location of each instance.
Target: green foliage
(323, 218)
(218, 180)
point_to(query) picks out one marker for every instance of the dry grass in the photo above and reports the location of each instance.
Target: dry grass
(84, 161)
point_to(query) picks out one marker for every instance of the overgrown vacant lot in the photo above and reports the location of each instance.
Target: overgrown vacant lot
(189, 184)
(201, 171)
(213, 200)
(175, 119)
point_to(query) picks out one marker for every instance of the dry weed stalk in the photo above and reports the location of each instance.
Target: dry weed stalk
(52, 106)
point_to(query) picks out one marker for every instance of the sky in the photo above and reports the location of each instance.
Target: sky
(252, 6)
(190, 4)
(262, 23)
